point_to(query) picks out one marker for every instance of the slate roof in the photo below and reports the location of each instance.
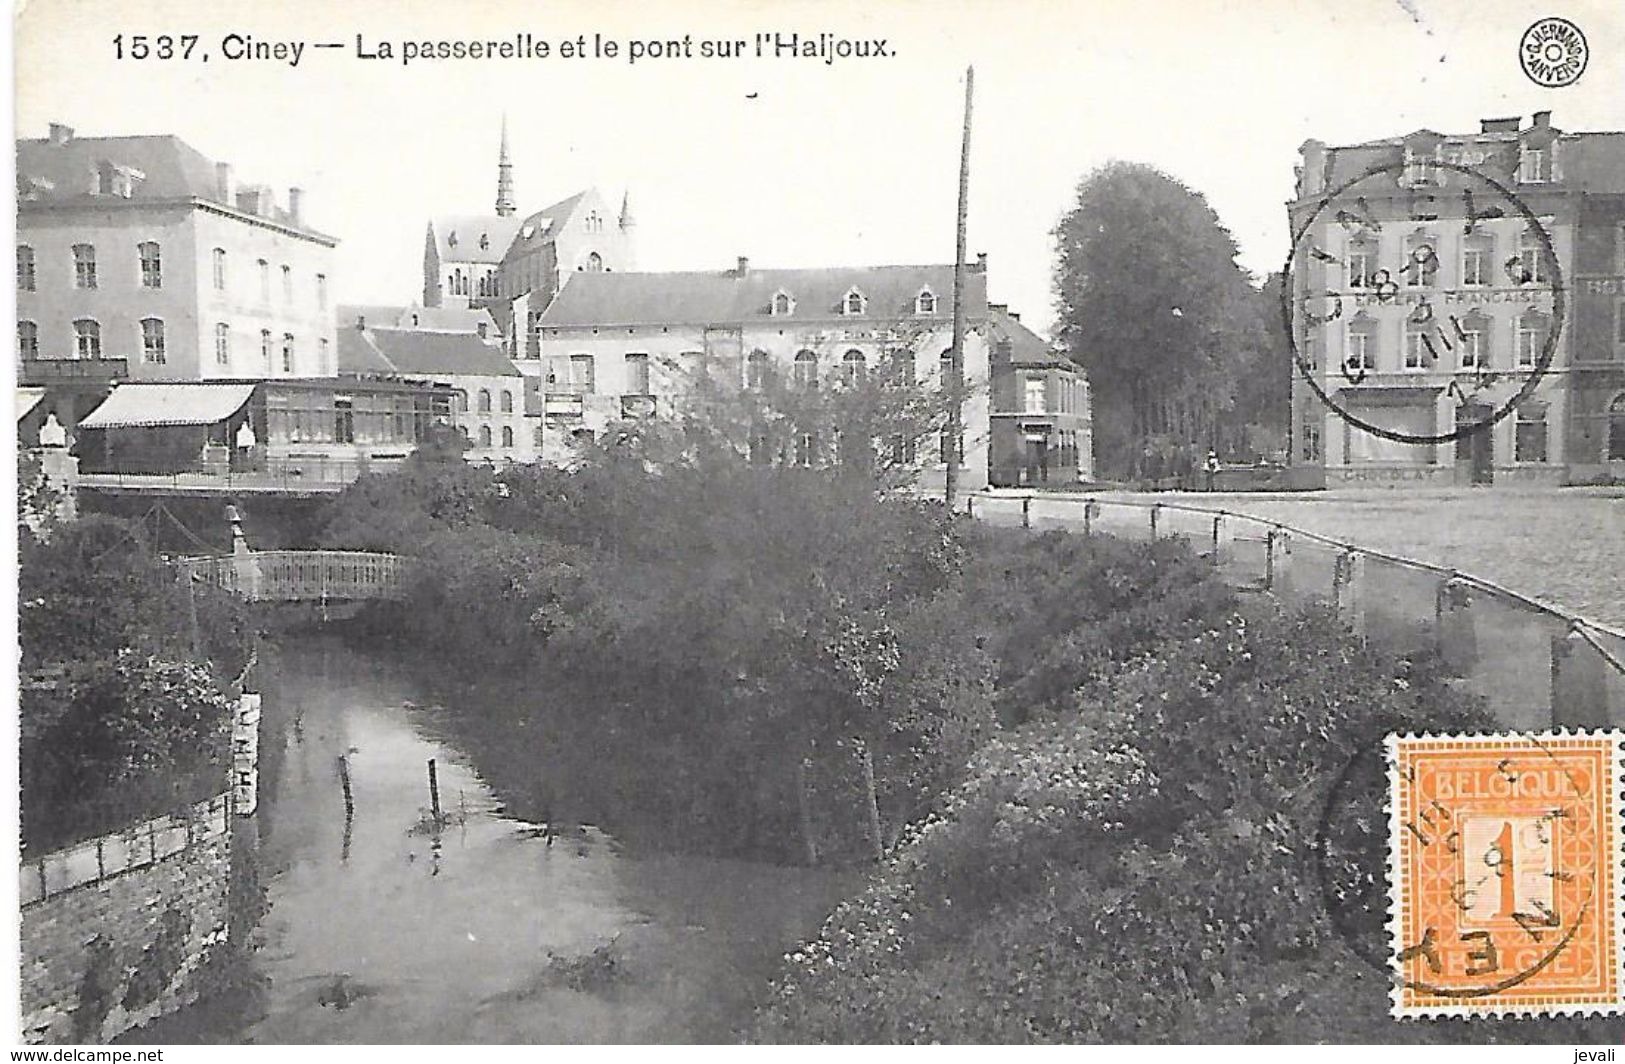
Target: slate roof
(457, 237)
(705, 298)
(1027, 348)
(65, 174)
(421, 353)
(1593, 162)
(428, 319)
(544, 225)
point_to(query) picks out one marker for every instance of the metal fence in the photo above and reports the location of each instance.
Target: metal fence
(303, 576)
(1536, 665)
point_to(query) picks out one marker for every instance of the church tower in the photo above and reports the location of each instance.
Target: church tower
(504, 177)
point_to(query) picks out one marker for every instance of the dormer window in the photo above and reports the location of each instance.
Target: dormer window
(853, 303)
(1534, 166)
(451, 239)
(925, 302)
(1420, 169)
(783, 306)
(485, 242)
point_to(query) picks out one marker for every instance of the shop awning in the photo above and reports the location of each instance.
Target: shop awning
(136, 405)
(27, 400)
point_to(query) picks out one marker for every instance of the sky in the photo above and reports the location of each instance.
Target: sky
(794, 161)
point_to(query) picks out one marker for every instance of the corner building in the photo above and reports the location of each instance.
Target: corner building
(1422, 301)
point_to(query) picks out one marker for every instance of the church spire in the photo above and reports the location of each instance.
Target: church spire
(626, 220)
(504, 176)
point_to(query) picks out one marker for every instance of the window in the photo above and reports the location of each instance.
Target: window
(25, 268)
(1420, 169)
(1471, 350)
(1530, 339)
(1476, 255)
(343, 419)
(222, 344)
(782, 305)
(583, 374)
(265, 349)
(595, 262)
(152, 340)
(505, 402)
(1529, 433)
(87, 339)
(853, 302)
(854, 368)
(901, 450)
(485, 435)
(806, 449)
(950, 449)
(1530, 265)
(1534, 166)
(1311, 437)
(1360, 355)
(806, 369)
(902, 368)
(593, 223)
(485, 401)
(321, 290)
(265, 281)
(507, 435)
(287, 283)
(1033, 395)
(287, 352)
(758, 369)
(1362, 263)
(925, 302)
(1619, 322)
(537, 436)
(325, 366)
(637, 374)
(219, 269)
(84, 266)
(1616, 429)
(1419, 352)
(27, 340)
(152, 265)
(1421, 261)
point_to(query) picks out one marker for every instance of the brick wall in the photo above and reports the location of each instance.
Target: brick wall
(116, 930)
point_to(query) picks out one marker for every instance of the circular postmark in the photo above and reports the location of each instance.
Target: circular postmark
(1433, 333)
(1497, 893)
(1553, 53)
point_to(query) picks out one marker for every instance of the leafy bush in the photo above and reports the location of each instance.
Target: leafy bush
(1151, 865)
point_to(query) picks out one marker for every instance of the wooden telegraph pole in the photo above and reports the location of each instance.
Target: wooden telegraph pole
(956, 372)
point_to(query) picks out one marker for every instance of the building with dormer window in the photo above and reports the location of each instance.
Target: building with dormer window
(1432, 275)
(621, 345)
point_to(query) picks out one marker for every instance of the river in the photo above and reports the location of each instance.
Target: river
(382, 927)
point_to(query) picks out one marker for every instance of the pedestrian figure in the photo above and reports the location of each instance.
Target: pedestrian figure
(1211, 467)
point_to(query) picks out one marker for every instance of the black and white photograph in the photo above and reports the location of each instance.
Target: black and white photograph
(774, 522)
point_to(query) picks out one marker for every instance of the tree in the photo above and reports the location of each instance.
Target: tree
(1152, 304)
(1260, 420)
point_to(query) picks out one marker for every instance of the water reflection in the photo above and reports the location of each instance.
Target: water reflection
(427, 913)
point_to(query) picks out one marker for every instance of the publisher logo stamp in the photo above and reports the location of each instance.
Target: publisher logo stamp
(1553, 53)
(1505, 860)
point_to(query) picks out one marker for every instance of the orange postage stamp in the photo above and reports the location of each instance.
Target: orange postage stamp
(1504, 862)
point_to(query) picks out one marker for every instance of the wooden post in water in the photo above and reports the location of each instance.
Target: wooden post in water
(434, 792)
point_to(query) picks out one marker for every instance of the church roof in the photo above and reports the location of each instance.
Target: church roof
(543, 226)
(704, 298)
(481, 238)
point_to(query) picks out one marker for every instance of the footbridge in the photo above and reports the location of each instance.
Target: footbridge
(316, 576)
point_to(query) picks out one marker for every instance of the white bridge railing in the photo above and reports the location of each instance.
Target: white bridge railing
(303, 575)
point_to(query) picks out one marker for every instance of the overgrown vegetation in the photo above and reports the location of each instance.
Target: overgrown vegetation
(123, 711)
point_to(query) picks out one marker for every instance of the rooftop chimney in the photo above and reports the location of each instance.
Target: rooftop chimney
(60, 134)
(1499, 125)
(222, 181)
(744, 266)
(1313, 177)
(361, 322)
(295, 194)
(981, 262)
(1543, 119)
